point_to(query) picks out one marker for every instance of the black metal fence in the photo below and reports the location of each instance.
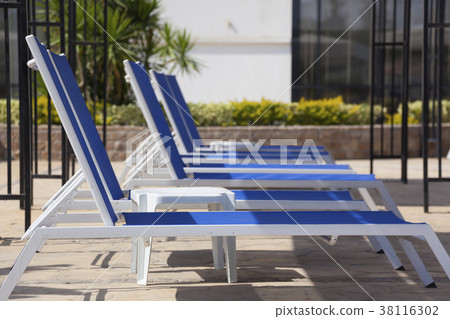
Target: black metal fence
(389, 80)
(343, 65)
(91, 35)
(434, 83)
(65, 26)
(15, 56)
(47, 22)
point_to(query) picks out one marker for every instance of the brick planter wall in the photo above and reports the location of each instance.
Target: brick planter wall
(344, 142)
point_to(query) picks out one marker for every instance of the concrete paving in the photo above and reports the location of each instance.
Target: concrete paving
(269, 268)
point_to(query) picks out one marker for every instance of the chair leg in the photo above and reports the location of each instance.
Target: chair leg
(133, 261)
(382, 245)
(438, 250)
(231, 260)
(217, 249)
(372, 206)
(144, 249)
(375, 244)
(389, 252)
(20, 265)
(41, 246)
(417, 263)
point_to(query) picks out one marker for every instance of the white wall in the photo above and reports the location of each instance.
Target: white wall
(245, 46)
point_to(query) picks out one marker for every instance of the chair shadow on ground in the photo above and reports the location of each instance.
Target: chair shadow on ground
(22, 292)
(372, 271)
(28, 291)
(411, 194)
(304, 273)
(5, 271)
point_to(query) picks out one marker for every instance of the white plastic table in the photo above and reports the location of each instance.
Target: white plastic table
(148, 199)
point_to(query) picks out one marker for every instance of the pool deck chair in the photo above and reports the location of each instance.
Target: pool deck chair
(186, 130)
(152, 224)
(245, 199)
(304, 200)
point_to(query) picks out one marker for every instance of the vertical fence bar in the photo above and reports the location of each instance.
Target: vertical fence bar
(295, 49)
(25, 114)
(317, 75)
(83, 66)
(64, 143)
(405, 93)
(383, 61)
(440, 84)
(105, 77)
(434, 7)
(372, 84)
(71, 22)
(72, 9)
(8, 102)
(394, 29)
(49, 105)
(24, 194)
(425, 106)
(95, 78)
(34, 94)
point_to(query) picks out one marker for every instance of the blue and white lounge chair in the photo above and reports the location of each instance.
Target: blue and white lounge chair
(116, 193)
(246, 199)
(196, 223)
(163, 129)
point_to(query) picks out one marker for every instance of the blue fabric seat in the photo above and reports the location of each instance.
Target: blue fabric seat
(264, 218)
(293, 195)
(290, 177)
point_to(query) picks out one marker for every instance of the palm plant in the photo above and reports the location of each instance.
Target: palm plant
(135, 31)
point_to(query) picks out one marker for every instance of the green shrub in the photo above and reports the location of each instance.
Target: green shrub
(331, 111)
(14, 111)
(264, 112)
(116, 114)
(415, 112)
(212, 114)
(128, 114)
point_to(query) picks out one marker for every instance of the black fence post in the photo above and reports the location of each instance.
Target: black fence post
(425, 106)
(25, 184)
(25, 114)
(405, 89)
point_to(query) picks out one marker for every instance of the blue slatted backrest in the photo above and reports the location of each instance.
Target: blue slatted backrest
(174, 109)
(77, 141)
(188, 119)
(145, 86)
(89, 128)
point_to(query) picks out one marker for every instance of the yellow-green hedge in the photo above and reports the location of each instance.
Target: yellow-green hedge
(329, 111)
(332, 111)
(128, 114)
